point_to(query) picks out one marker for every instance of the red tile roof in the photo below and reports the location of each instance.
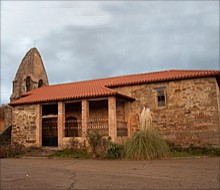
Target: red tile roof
(160, 76)
(102, 87)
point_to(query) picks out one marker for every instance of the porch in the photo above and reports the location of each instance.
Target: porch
(60, 121)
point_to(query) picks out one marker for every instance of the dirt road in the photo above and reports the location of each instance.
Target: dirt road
(188, 173)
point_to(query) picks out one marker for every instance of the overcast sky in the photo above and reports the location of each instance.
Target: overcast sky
(87, 40)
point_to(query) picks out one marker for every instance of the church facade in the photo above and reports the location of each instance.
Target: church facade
(185, 106)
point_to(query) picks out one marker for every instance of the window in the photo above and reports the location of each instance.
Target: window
(28, 84)
(161, 99)
(40, 83)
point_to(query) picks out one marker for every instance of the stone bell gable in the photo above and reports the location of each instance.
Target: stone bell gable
(31, 74)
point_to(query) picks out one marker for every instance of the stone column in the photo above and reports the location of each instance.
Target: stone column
(127, 117)
(38, 125)
(85, 117)
(112, 121)
(61, 123)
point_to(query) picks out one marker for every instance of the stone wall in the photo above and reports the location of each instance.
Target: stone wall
(191, 114)
(5, 117)
(8, 116)
(2, 118)
(24, 125)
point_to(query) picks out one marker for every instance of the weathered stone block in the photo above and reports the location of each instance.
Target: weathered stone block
(30, 141)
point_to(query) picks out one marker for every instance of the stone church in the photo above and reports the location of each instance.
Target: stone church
(185, 106)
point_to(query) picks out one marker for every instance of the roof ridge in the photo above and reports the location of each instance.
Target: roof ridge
(192, 70)
(129, 75)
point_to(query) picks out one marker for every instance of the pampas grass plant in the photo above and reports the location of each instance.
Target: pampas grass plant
(147, 143)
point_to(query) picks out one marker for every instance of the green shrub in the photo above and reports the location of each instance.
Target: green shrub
(114, 151)
(146, 144)
(212, 151)
(94, 140)
(98, 143)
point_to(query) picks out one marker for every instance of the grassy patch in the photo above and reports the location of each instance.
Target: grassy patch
(68, 153)
(177, 154)
(178, 151)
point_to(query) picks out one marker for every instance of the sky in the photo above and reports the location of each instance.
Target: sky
(95, 39)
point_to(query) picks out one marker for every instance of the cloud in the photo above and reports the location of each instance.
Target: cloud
(31, 20)
(79, 41)
(133, 43)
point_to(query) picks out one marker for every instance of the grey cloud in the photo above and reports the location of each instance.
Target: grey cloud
(137, 44)
(140, 37)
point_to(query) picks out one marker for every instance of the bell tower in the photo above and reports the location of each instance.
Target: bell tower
(31, 74)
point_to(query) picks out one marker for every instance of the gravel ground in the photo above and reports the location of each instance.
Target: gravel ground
(36, 173)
